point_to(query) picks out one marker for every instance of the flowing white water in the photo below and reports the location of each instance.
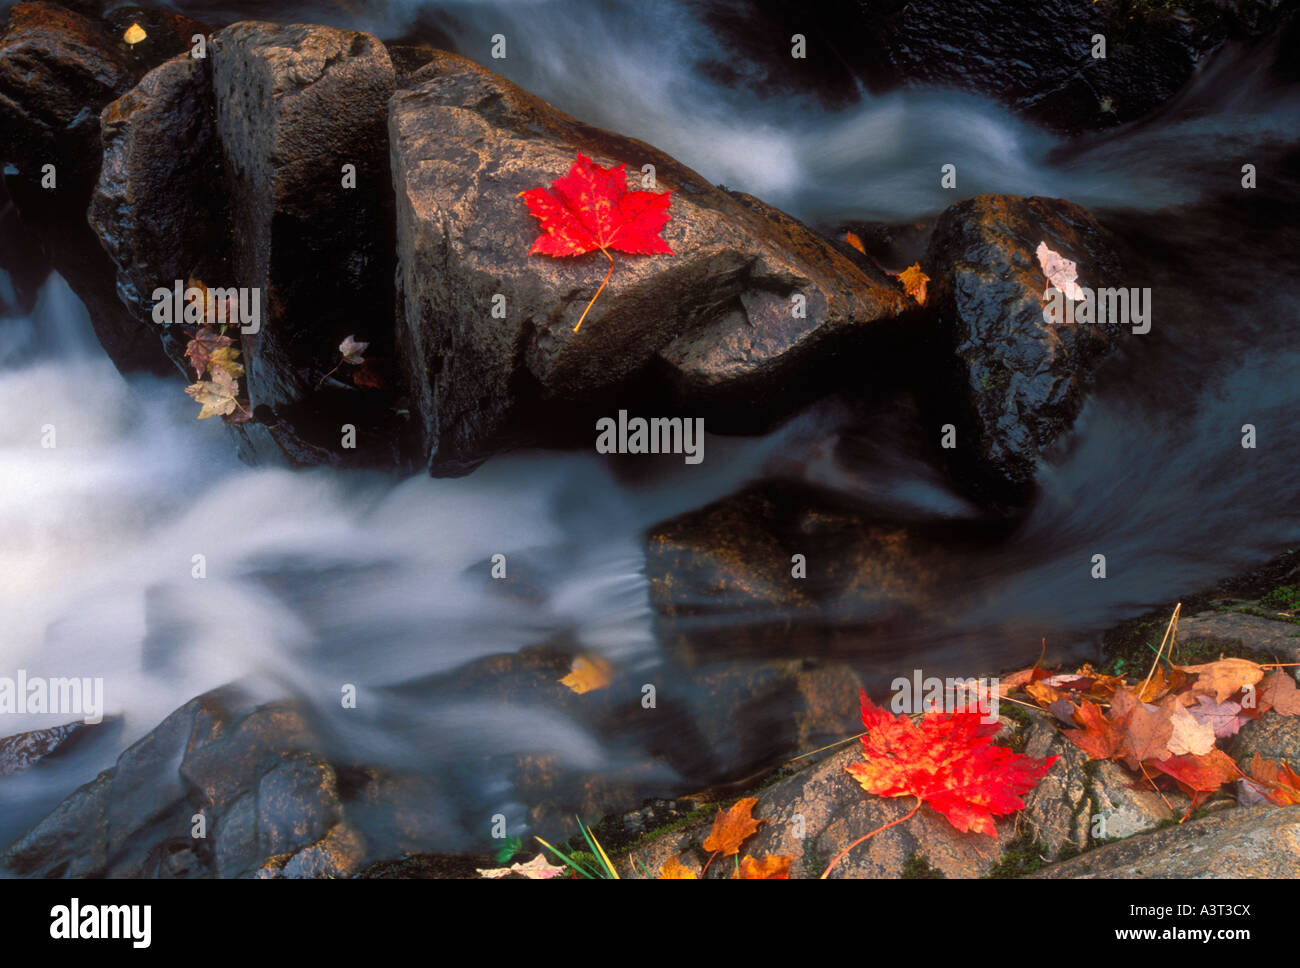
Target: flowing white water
(319, 578)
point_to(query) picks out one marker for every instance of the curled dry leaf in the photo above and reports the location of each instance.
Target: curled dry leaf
(587, 674)
(536, 869)
(914, 281)
(1223, 678)
(732, 826)
(1061, 273)
(352, 351)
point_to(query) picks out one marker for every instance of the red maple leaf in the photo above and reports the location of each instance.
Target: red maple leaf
(948, 761)
(590, 208)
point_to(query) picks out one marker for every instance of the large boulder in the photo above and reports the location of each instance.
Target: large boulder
(1017, 381)
(294, 105)
(58, 69)
(158, 207)
(717, 320)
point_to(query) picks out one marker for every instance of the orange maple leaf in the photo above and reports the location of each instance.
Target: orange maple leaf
(764, 869)
(675, 870)
(1099, 738)
(732, 826)
(590, 208)
(948, 761)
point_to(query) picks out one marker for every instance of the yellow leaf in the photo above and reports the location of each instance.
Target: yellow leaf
(134, 34)
(914, 280)
(588, 674)
(224, 359)
(217, 395)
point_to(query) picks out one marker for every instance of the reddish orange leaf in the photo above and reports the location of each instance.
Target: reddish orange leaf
(948, 761)
(1200, 774)
(1277, 775)
(1099, 738)
(852, 239)
(731, 827)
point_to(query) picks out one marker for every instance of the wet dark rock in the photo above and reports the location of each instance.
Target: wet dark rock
(1032, 55)
(57, 69)
(265, 798)
(158, 207)
(25, 750)
(734, 558)
(1016, 383)
(714, 320)
(295, 104)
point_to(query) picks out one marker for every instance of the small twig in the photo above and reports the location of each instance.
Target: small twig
(840, 855)
(598, 291)
(1172, 628)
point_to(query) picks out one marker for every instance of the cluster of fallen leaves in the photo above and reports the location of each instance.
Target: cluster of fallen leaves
(213, 355)
(731, 828)
(1168, 725)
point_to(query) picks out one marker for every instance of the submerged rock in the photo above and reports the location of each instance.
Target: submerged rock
(1017, 382)
(749, 295)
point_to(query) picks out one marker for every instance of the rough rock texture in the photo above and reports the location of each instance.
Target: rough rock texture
(1033, 55)
(57, 69)
(1260, 841)
(1018, 382)
(25, 750)
(717, 316)
(158, 207)
(272, 807)
(1236, 630)
(294, 105)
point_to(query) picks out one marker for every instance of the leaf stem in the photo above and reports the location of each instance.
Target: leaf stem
(598, 291)
(840, 855)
